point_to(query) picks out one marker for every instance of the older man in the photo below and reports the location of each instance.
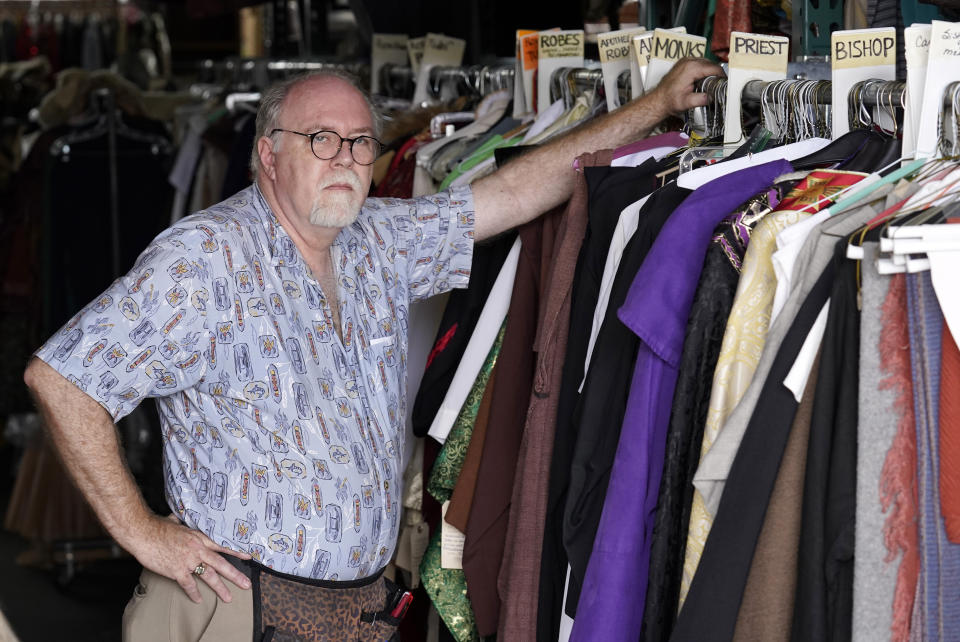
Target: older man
(272, 330)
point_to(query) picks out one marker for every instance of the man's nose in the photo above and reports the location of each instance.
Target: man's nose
(344, 157)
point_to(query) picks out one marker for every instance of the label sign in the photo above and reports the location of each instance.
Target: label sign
(556, 49)
(415, 48)
(858, 55)
(668, 48)
(388, 48)
(752, 51)
(438, 50)
(863, 48)
(674, 46)
(752, 57)
(520, 102)
(916, 41)
(561, 44)
(943, 68)
(616, 52)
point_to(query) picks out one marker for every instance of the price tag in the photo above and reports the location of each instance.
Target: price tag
(943, 68)
(616, 53)
(439, 50)
(388, 48)
(856, 55)
(556, 49)
(415, 50)
(451, 542)
(752, 57)
(668, 48)
(916, 42)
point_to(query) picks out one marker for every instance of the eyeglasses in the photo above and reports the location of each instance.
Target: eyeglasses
(326, 145)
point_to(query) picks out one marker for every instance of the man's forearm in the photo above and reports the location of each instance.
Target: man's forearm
(85, 438)
(541, 179)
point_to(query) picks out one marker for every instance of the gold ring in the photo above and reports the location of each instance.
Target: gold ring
(200, 569)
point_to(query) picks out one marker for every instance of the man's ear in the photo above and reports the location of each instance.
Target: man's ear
(265, 149)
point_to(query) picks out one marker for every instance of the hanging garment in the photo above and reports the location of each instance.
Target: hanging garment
(447, 586)
(609, 190)
(711, 608)
(743, 343)
(656, 309)
(898, 481)
(950, 436)
(487, 523)
(701, 347)
(824, 599)
(766, 609)
(875, 574)
(598, 414)
(940, 559)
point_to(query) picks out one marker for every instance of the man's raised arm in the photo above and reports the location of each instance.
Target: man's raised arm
(540, 180)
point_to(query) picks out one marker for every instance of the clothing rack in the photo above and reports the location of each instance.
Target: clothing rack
(568, 81)
(872, 93)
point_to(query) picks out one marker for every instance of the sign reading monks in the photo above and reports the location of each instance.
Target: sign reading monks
(668, 48)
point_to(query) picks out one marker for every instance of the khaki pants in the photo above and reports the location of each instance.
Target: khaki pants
(160, 611)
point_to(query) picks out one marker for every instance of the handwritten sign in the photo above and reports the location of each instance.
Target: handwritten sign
(916, 43)
(388, 48)
(415, 48)
(616, 51)
(438, 50)
(668, 48)
(943, 68)
(752, 57)
(857, 55)
(528, 44)
(556, 49)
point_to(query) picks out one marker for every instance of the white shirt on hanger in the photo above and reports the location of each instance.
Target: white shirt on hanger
(482, 339)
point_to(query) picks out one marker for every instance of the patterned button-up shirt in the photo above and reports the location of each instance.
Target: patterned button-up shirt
(279, 438)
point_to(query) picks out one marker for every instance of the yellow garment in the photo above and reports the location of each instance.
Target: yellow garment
(740, 352)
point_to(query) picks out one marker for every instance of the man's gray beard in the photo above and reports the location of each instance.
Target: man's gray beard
(334, 210)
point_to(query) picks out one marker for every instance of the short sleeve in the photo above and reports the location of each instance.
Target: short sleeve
(438, 238)
(146, 335)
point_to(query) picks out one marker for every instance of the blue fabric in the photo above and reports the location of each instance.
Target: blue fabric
(939, 558)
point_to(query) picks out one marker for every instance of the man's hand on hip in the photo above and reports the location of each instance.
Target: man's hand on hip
(168, 548)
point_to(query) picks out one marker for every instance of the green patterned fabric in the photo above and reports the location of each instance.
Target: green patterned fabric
(447, 587)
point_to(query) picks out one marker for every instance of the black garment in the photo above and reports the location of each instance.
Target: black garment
(713, 602)
(77, 258)
(701, 350)
(609, 191)
(598, 415)
(458, 322)
(238, 176)
(823, 609)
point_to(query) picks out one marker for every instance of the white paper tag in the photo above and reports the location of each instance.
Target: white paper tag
(388, 48)
(642, 45)
(556, 49)
(857, 55)
(415, 51)
(438, 50)
(943, 68)
(616, 53)
(916, 42)
(451, 542)
(668, 48)
(752, 57)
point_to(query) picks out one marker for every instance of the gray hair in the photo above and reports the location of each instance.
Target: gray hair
(271, 105)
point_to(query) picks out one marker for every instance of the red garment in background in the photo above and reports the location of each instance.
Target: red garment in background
(731, 15)
(950, 435)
